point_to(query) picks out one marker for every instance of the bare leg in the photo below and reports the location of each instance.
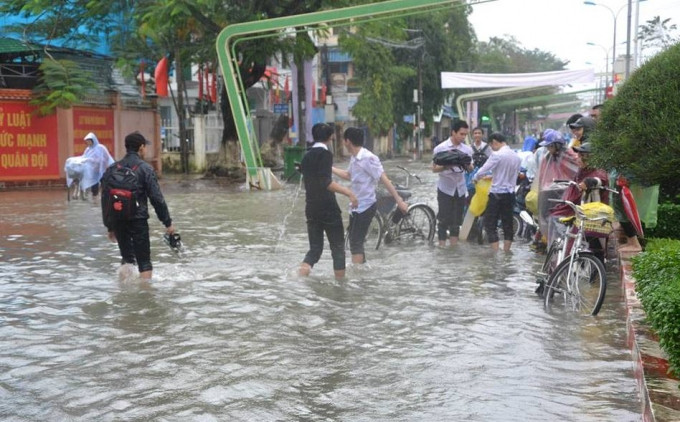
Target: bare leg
(145, 275)
(506, 245)
(358, 258)
(453, 240)
(494, 246)
(339, 274)
(305, 269)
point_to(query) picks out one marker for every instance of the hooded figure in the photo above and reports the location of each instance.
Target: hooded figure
(581, 128)
(557, 163)
(89, 168)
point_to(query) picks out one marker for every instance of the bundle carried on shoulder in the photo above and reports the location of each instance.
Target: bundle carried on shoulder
(452, 157)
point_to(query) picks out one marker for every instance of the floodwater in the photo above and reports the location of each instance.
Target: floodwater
(229, 332)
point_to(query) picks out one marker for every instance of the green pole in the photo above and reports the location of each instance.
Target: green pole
(229, 63)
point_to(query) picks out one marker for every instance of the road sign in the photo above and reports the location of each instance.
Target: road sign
(281, 108)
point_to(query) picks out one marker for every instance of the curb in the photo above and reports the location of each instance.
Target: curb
(659, 391)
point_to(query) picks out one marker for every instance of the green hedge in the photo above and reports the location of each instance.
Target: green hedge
(638, 132)
(657, 282)
(668, 222)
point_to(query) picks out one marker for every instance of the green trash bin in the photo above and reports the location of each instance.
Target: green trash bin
(292, 154)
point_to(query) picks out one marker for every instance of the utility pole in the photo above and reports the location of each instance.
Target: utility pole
(420, 103)
(630, 12)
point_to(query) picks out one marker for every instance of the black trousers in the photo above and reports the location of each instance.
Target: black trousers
(450, 215)
(500, 206)
(331, 224)
(358, 227)
(133, 243)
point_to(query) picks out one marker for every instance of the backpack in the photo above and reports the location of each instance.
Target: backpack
(120, 193)
(453, 157)
(479, 156)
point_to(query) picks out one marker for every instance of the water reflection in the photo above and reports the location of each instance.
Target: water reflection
(228, 331)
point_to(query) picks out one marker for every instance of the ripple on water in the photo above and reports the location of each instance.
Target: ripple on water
(229, 331)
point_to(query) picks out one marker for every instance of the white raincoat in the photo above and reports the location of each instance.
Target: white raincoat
(89, 167)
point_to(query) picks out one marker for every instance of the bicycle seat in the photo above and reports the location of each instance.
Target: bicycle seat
(567, 221)
(405, 194)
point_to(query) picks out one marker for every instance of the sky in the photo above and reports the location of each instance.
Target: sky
(564, 27)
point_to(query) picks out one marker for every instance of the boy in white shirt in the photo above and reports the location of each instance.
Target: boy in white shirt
(364, 171)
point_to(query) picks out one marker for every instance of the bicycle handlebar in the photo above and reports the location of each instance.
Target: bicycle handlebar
(409, 173)
(571, 182)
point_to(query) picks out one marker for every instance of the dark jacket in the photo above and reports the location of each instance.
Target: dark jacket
(148, 190)
(317, 173)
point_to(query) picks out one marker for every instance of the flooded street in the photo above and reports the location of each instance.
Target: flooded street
(229, 332)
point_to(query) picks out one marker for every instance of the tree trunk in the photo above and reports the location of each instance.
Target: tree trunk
(182, 114)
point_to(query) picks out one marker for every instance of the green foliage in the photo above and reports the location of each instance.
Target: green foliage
(639, 129)
(657, 282)
(62, 83)
(668, 216)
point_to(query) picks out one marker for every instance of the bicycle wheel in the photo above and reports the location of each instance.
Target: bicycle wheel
(517, 226)
(417, 225)
(579, 285)
(552, 259)
(374, 234)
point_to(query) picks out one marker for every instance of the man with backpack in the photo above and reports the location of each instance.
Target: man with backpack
(480, 149)
(127, 186)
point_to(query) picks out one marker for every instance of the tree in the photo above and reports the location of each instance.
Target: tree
(639, 129)
(656, 35)
(396, 56)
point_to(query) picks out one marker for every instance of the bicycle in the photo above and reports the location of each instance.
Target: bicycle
(579, 278)
(389, 225)
(559, 248)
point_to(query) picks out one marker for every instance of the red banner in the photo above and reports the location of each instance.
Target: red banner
(98, 121)
(29, 145)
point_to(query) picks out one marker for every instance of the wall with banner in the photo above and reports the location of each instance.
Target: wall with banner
(29, 145)
(96, 120)
(33, 149)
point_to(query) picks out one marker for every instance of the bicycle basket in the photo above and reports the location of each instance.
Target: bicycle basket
(593, 210)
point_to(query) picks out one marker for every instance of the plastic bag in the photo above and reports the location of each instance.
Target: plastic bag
(481, 197)
(531, 201)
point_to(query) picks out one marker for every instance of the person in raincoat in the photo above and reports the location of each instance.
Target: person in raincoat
(558, 163)
(89, 168)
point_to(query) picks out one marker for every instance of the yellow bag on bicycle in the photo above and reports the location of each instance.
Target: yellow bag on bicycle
(598, 210)
(531, 201)
(480, 198)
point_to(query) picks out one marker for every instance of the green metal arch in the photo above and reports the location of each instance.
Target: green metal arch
(229, 62)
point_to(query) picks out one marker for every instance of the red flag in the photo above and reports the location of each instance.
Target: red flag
(206, 76)
(161, 76)
(286, 89)
(213, 88)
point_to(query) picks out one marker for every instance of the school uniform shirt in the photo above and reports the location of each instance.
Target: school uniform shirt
(365, 170)
(504, 165)
(452, 181)
(481, 147)
(316, 167)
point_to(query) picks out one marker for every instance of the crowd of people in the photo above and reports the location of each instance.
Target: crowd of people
(552, 156)
(544, 160)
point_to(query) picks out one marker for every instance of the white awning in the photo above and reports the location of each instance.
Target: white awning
(498, 80)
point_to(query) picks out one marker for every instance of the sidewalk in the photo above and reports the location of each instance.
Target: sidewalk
(659, 392)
